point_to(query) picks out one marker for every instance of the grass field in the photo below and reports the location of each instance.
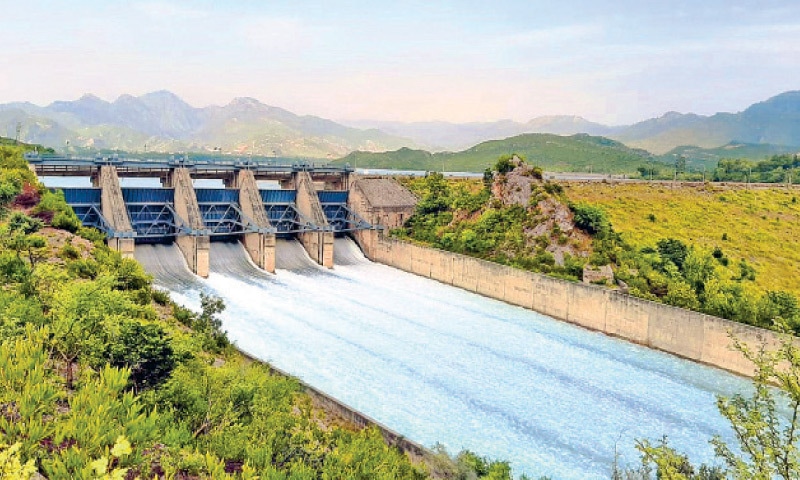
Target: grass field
(762, 226)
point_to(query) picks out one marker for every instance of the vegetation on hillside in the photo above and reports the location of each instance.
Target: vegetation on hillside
(698, 158)
(757, 226)
(555, 153)
(658, 261)
(101, 376)
(509, 218)
(777, 169)
(26, 146)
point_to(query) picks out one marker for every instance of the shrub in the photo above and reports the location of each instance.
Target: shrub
(146, 350)
(553, 188)
(161, 297)
(504, 165)
(29, 196)
(69, 252)
(66, 221)
(673, 250)
(19, 222)
(8, 191)
(84, 268)
(92, 234)
(591, 219)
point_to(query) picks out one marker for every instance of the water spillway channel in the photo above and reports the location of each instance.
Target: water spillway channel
(439, 364)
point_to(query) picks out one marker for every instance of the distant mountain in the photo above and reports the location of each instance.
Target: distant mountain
(438, 136)
(775, 121)
(163, 122)
(555, 153)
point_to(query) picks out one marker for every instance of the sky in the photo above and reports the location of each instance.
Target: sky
(614, 62)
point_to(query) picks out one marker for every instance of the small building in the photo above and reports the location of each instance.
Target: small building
(382, 201)
(379, 201)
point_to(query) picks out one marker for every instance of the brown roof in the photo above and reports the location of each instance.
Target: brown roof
(385, 193)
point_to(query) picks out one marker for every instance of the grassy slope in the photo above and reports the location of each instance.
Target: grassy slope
(577, 153)
(762, 226)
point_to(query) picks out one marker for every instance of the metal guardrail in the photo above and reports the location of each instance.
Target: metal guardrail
(64, 163)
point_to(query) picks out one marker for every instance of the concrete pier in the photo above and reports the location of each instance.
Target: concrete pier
(318, 244)
(114, 210)
(194, 247)
(260, 246)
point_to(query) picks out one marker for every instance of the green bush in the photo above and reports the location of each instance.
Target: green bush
(83, 268)
(673, 250)
(591, 219)
(504, 164)
(92, 234)
(144, 349)
(161, 297)
(69, 252)
(66, 221)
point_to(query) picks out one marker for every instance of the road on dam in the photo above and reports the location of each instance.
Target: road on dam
(438, 364)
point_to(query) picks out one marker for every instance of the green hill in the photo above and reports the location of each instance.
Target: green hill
(697, 158)
(555, 153)
(25, 146)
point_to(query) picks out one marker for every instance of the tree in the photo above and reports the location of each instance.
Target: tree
(680, 165)
(591, 219)
(504, 164)
(208, 321)
(146, 350)
(768, 441)
(673, 250)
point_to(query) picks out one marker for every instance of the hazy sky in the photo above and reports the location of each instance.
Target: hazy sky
(610, 61)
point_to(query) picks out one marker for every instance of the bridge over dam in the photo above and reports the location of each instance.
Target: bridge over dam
(314, 204)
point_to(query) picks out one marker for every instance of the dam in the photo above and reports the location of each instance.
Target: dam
(440, 364)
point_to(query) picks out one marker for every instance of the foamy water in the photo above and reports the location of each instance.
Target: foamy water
(439, 364)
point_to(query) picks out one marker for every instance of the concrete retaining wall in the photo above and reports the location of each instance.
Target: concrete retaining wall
(688, 334)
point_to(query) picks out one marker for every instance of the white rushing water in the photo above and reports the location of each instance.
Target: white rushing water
(439, 364)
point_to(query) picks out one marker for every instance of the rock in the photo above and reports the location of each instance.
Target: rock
(602, 274)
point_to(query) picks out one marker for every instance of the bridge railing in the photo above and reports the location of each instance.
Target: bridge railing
(62, 163)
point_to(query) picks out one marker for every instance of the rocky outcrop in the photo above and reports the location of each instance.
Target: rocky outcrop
(552, 221)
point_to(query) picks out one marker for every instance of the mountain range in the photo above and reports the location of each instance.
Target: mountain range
(775, 121)
(163, 122)
(554, 153)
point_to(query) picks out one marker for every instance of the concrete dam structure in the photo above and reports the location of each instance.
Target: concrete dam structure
(426, 356)
(311, 206)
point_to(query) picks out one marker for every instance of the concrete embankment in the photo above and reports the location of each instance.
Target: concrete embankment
(688, 334)
(337, 409)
